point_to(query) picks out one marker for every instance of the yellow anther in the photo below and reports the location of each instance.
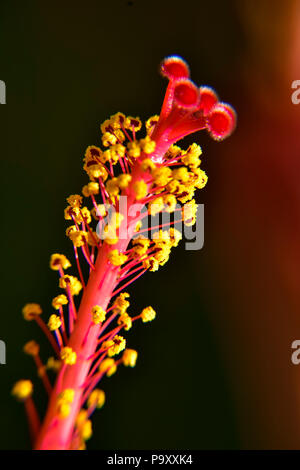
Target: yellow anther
(78, 238)
(81, 214)
(108, 139)
(63, 410)
(90, 188)
(22, 389)
(117, 120)
(75, 200)
(118, 345)
(152, 264)
(107, 344)
(148, 165)
(125, 321)
(148, 314)
(185, 193)
(162, 244)
(161, 176)
(59, 301)
(112, 138)
(110, 156)
(30, 311)
(71, 229)
(86, 430)
(86, 215)
(173, 186)
(114, 346)
(67, 395)
(156, 206)
(140, 245)
(173, 152)
(67, 213)
(98, 314)
(133, 123)
(134, 149)
(192, 162)
(72, 282)
(96, 170)
(31, 348)
(92, 162)
(181, 174)
(162, 256)
(120, 135)
(108, 366)
(120, 305)
(96, 398)
(54, 322)
(58, 261)
(64, 401)
(72, 212)
(123, 180)
(116, 258)
(191, 156)
(92, 153)
(68, 356)
(112, 187)
(201, 178)
(129, 357)
(161, 236)
(194, 150)
(106, 125)
(115, 153)
(151, 123)
(147, 145)
(170, 202)
(81, 417)
(140, 189)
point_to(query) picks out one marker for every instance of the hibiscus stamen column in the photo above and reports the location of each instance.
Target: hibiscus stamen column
(152, 175)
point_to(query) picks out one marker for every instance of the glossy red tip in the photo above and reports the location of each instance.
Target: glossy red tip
(174, 67)
(208, 98)
(186, 94)
(221, 121)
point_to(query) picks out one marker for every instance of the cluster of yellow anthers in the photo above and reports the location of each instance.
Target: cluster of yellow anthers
(180, 182)
(158, 180)
(162, 188)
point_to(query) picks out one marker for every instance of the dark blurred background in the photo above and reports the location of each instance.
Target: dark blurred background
(214, 369)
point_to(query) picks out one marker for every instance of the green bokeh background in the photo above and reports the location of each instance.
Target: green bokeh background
(67, 67)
